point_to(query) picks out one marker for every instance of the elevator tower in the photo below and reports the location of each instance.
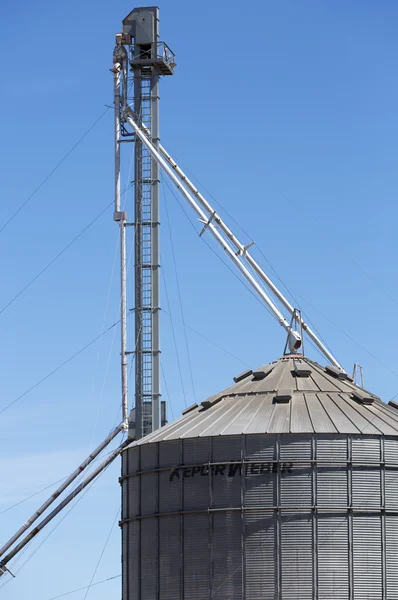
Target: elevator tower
(148, 59)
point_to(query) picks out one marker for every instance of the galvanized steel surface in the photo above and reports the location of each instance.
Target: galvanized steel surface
(320, 403)
(245, 498)
(290, 517)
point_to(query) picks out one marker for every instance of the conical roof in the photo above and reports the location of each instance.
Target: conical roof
(290, 395)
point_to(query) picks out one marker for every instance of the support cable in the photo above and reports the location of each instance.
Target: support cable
(52, 261)
(123, 202)
(303, 299)
(93, 382)
(236, 275)
(228, 266)
(351, 338)
(179, 295)
(32, 496)
(236, 251)
(53, 170)
(65, 362)
(207, 340)
(174, 340)
(81, 589)
(88, 488)
(89, 479)
(21, 554)
(114, 331)
(305, 217)
(62, 488)
(102, 554)
(166, 387)
(38, 492)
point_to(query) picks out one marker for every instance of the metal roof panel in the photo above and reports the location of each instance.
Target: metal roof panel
(300, 421)
(320, 419)
(319, 403)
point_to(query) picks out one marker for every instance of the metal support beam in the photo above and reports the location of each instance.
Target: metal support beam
(212, 221)
(120, 94)
(61, 506)
(61, 488)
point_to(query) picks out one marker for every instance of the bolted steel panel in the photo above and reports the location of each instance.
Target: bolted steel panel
(391, 450)
(149, 456)
(296, 447)
(227, 448)
(131, 509)
(196, 557)
(195, 487)
(366, 449)
(297, 556)
(296, 487)
(260, 486)
(149, 493)
(268, 501)
(227, 563)
(331, 448)
(149, 559)
(131, 574)
(131, 463)
(332, 555)
(169, 453)
(261, 570)
(195, 484)
(366, 490)
(332, 486)
(391, 489)
(225, 490)
(260, 447)
(367, 557)
(279, 517)
(170, 492)
(170, 560)
(196, 451)
(391, 557)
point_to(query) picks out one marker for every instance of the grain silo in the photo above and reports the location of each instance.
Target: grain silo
(283, 486)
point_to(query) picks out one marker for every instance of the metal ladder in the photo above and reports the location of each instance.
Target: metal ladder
(144, 231)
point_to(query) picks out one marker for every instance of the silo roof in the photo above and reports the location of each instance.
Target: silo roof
(290, 395)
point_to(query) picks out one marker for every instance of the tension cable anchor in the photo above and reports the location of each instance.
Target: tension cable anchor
(207, 223)
(4, 569)
(243, 252)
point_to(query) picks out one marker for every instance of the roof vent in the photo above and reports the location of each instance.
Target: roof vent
(211, 401)
(283, 396)
(262, 372)
(243, 375)
(336, 372)
(187, 410)
(393, 404)
(362, 398)
(302, 370)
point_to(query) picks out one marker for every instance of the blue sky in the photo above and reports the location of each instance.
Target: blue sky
(286, 112)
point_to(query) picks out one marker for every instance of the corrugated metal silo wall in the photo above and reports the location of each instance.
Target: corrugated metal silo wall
(261, 517)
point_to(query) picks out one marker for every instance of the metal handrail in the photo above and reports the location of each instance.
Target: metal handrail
(163, 51)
